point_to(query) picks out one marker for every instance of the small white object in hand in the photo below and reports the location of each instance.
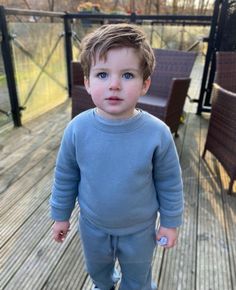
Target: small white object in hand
(163, 241)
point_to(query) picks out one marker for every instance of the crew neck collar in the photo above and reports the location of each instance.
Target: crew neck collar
(117, 125)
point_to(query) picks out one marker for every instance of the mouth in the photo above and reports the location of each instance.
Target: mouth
(114, 99)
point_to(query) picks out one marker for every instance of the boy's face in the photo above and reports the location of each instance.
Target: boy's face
(116, 84)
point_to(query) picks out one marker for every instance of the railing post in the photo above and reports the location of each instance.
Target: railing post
(217, 27)
(133, 17)
(210, 51)
(220, 30)
(9, 69)
(69, 52)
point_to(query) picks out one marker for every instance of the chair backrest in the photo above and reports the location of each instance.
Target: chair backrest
(81, 100)
(226, 70)
(170, 64)
(77, 74)
(221, 138)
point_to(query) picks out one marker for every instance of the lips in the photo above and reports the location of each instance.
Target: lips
(114, 99)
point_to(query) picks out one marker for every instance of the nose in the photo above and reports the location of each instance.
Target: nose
(114, 83)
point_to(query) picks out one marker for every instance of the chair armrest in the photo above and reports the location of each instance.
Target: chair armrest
(178, 92)
(223, 104)
(223, 91)
(177, 96)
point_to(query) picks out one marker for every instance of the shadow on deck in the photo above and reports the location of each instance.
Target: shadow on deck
(205, 257)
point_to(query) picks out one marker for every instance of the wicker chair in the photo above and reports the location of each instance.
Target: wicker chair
(81, 100)
(221, 136)
(166, 96)
(170, 82)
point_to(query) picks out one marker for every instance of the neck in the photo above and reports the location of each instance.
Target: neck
(101, 114)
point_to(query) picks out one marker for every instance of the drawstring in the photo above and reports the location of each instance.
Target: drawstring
(113, 242)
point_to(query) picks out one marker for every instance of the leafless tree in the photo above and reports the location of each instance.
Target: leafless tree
(157, 5)
(147, 4)
(142, 6)
(175, 7)
(203, 6)
(27, 4)
(116, 3)
(51, 5)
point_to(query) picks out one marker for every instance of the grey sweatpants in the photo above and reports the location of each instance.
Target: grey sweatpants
(134, 253)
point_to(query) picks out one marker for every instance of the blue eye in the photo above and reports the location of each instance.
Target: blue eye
(128, 76)
(102, 75)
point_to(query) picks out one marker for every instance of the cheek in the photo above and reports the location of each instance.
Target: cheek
(96, 87)
(136, 90)
(97, 91)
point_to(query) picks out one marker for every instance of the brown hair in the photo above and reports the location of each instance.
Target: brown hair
(112, 36)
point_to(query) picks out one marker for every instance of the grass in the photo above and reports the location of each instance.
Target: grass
(2, 79)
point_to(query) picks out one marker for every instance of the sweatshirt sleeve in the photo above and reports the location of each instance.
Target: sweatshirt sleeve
(66, 179)
(168, 182)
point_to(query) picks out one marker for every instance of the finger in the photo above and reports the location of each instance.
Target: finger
(62, 235)
(170, 245)
(58, 237)
(158, 236)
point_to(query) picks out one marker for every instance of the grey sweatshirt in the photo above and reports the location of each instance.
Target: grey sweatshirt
(121, 171)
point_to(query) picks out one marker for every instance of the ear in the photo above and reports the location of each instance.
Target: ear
(87, 85)
(146, 85)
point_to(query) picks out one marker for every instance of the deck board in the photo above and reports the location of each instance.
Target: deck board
(31, 150)
(16, 252)
(23, 184)
(213, 255)
(230, 211)
(13, 219)
(230, 221)
(36, 269)
(72, 264)
(179, 262)
(204, 258)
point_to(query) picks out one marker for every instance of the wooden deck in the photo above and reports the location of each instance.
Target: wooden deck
(204, 259)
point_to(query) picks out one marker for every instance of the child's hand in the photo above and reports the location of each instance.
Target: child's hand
(170, 233)
(60, 230)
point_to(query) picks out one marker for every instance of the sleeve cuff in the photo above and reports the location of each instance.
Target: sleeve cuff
(171, 221)
(60, 215)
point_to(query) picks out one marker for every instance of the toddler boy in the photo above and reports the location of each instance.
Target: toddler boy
(119, 162)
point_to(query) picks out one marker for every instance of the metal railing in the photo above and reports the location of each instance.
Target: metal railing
(69, 35)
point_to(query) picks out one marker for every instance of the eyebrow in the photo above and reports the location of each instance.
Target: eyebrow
(123, 70)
